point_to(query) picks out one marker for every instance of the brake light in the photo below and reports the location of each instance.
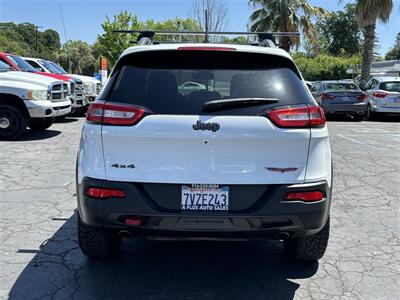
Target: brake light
(101, 193)
(207, 48)
(361, 97)
(298, 117)
(305, 196)
(379, 94)
(327, 97)
(114, 114)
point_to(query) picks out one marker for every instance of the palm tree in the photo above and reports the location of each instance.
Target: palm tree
(285, 16)
(368, 12)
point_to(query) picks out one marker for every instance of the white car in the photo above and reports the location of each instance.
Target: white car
(383, 96)
(248, 157)
(188, 87)
(29, 100)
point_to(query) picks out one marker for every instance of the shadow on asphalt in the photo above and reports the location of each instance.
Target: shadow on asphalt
(66, 120)
(160, 270)
(36, 135)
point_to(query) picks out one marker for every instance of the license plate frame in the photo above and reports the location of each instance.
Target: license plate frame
(204, 197)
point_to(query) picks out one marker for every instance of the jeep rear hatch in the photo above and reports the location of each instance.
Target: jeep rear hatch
(154, 120)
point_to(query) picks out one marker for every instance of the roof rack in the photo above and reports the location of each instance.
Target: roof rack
(265, 39)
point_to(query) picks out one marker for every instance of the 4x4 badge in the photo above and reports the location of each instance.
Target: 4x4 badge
(206, 126)
(119, 166)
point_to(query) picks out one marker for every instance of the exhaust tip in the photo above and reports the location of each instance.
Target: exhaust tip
(282, 235)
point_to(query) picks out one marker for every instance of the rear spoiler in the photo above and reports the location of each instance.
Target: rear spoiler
(265, 39)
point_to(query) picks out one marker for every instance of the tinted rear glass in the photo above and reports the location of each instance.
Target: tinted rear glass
(179, 82)
(340, 86)
(391, 86)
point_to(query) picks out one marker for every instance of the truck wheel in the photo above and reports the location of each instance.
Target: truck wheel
(97, 244)
(309, 247)
(12, 123)
(38, 124)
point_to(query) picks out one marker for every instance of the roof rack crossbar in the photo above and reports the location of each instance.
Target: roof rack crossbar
(265, 38)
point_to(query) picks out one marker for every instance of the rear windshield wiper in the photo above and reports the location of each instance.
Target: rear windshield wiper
(226, 104)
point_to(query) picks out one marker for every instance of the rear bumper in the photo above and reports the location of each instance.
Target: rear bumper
(387, 110)
(356, 108)
(266, 218)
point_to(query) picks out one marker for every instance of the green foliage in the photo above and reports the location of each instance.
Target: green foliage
(285, 16)
(325, 67)
(77, 57)
(339, 33)
(111, 45)
(21, 39)
(394, 52)
(235, 40)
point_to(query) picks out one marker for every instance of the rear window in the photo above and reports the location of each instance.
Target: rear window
(390, 86)
(179, 82)
(340, 86)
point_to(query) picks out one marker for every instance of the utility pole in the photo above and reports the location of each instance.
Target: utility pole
(37, 44)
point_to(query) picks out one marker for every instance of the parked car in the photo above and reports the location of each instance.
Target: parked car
(78, 98)
(17, 63)
(383, 96)
(91, 85)
(340, 97)
(29, 100)
(190, 86)
(249, 157)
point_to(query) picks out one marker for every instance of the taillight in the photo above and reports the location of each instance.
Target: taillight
(327, 97)
(379, 94)
(298, 117)
(101, 193)
(114, 114)
(361, 97)
(305, 196)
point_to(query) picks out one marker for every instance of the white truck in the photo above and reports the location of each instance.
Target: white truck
(29, 100)
(91, 85)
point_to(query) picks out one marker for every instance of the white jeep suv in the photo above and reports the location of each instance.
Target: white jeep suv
(247, 156)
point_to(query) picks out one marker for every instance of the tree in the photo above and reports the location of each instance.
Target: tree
(21, 39)
(111, 44)
(339, 33)
(285, 16)
(77, 57)
(368, 12)
(394, 52)
(216, 18)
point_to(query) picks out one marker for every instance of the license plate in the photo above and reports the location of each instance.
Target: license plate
(396, 100)
(205, 197)
(345, 99)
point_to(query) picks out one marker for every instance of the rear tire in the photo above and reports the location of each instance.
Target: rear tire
(39, 124)
(371, 116)
(97, 244)
(12, 123)
(309, 247)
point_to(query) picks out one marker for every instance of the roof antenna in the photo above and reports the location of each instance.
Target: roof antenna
(206, 25)
(66, 40)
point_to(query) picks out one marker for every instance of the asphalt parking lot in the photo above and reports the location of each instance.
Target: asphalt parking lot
(40, 259)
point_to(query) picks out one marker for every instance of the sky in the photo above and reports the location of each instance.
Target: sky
(83, 18)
